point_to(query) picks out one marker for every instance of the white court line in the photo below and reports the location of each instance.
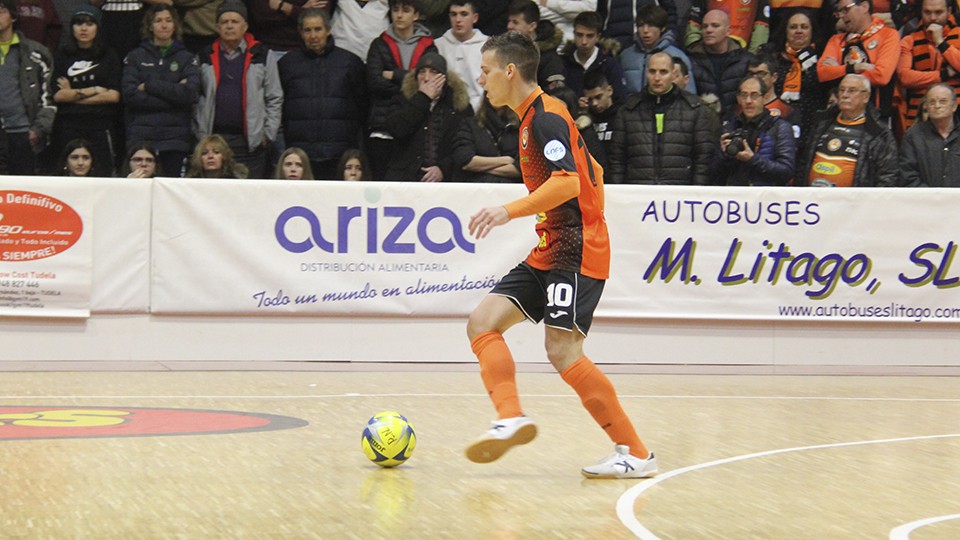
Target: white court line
(903, 532)
(627, 501)
(526, 396)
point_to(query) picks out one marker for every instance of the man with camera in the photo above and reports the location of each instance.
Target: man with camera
(756, 147)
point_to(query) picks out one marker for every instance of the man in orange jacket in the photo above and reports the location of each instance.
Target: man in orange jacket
(868, 48)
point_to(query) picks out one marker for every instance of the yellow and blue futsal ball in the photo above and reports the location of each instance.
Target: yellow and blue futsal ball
(388, 440)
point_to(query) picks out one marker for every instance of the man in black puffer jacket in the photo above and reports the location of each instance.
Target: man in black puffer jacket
(718, 62)
(663, 135)
(325, 96)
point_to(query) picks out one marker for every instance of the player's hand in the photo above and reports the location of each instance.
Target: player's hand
(830, 61)
(863, 66)
(485, 220)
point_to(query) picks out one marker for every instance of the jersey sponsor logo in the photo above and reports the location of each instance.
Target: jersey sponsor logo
(524, 138)
(28, 422)
(833, 145)
(541, 217)
(554, 150)
(872, 44)
(80, 67)
(544, 242)
(826, 168)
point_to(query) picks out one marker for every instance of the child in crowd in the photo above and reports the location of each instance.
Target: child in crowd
(77, 158)
(142, 162)
(86, 86)
(353, 166)
(293, 165)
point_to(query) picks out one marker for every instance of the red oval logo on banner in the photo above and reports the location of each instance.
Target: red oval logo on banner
(85, 422)
(35, 226)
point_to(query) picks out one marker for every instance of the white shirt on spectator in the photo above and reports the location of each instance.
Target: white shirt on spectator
(357, 24)
(563, 12)
(463, 58)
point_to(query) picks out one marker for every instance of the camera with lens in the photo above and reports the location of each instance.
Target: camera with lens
(737, 138)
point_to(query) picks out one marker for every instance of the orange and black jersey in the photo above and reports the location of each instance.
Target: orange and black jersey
(573, 234)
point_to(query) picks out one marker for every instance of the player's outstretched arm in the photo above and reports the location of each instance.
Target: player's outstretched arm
(559, 189)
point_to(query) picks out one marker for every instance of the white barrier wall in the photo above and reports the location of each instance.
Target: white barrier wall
(772, 277)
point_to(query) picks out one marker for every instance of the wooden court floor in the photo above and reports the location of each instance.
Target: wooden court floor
(792, 457)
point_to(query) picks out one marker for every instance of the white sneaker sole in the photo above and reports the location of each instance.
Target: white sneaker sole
(646, 474)
(490, 449)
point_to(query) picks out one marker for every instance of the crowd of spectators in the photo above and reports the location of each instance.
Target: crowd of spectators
(838, 93)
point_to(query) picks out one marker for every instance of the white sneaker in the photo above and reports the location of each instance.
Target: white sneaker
(502, 435)
(621, 464)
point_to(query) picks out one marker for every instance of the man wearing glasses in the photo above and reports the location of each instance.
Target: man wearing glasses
(849, 147)
(868, 47)
(757, 148)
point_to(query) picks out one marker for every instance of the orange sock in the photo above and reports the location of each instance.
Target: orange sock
(600, 399)
(498, 372)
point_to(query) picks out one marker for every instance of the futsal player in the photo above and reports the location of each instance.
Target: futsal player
(563, 276)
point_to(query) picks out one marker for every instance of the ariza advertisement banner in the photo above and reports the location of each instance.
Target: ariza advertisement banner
(271, 247)
(276, 247)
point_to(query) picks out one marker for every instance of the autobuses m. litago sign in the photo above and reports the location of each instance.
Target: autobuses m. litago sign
(787, 253)
(44, 254)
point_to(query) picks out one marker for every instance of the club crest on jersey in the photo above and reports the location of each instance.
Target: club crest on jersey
(554, 150)
(524, 137)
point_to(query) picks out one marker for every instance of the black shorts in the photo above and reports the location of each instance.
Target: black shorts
(567, 299)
